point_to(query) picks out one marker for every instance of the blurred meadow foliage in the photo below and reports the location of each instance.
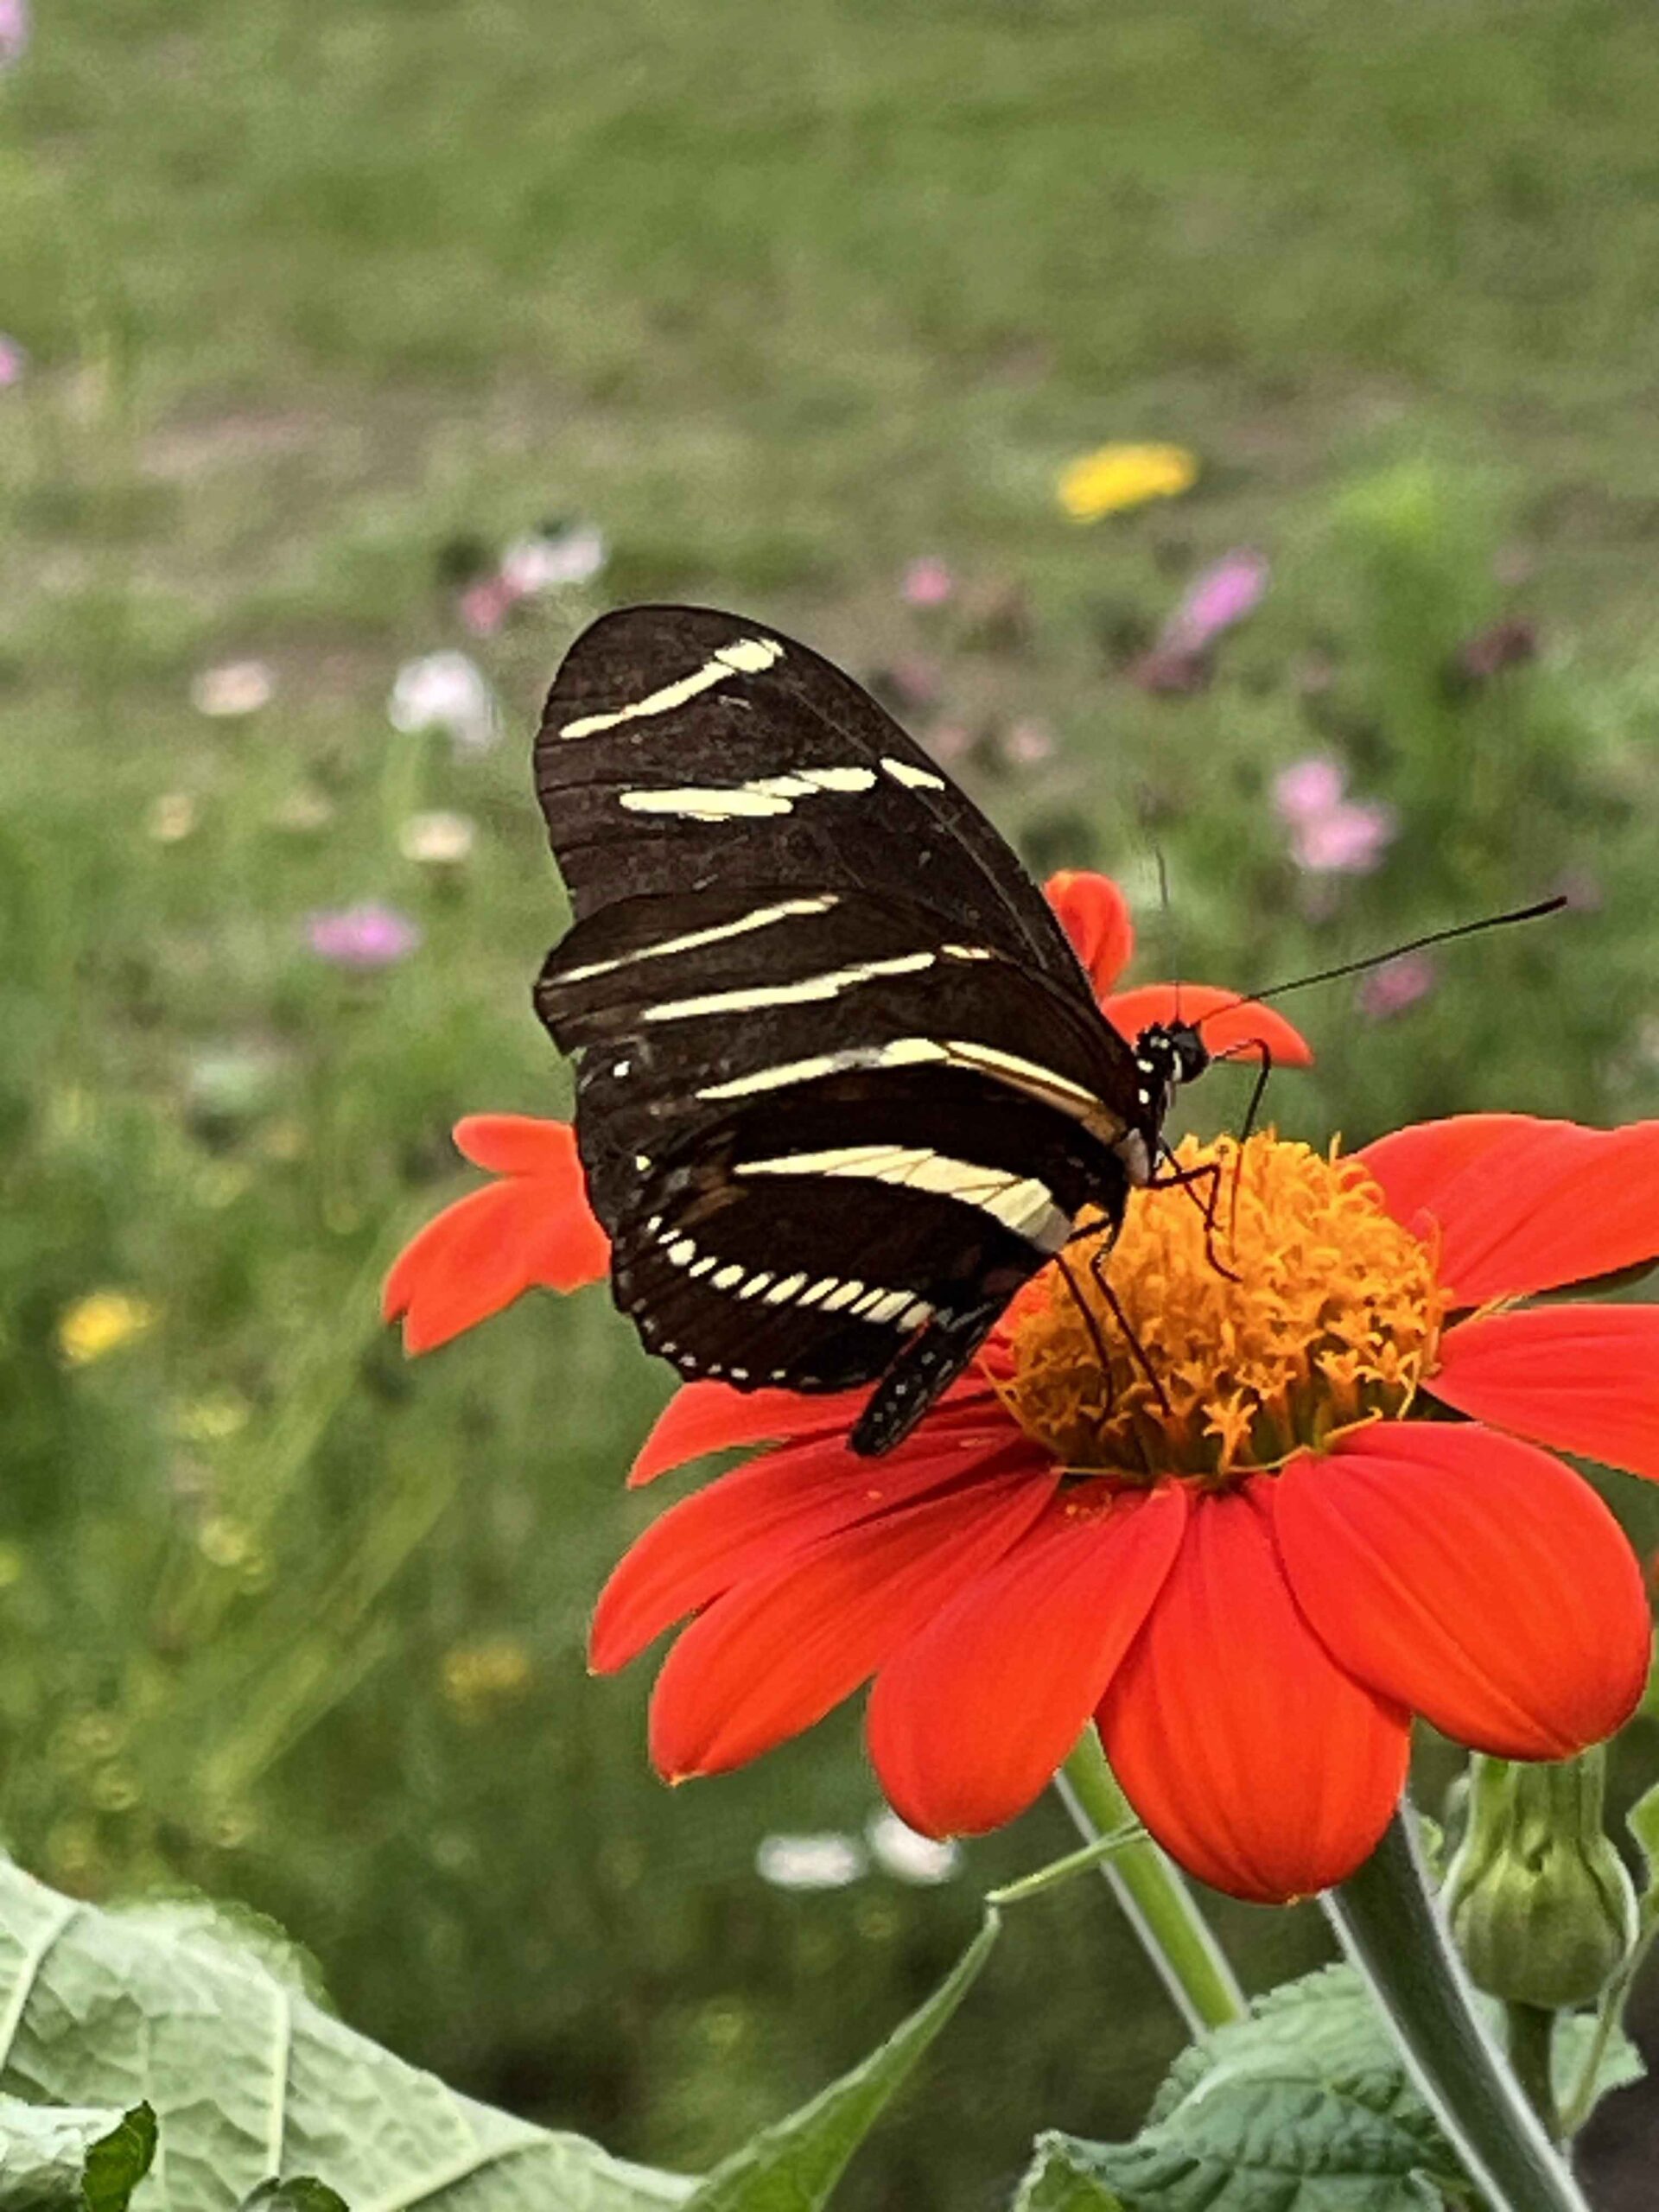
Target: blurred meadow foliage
(318, 310)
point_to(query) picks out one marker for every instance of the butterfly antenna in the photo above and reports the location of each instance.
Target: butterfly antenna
(1394, 952)
(1166, 910)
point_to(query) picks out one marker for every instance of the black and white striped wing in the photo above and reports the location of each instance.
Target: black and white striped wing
(797, 942)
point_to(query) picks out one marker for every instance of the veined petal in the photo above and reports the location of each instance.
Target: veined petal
(1253, 1758)
(705, 1417)
(968, 1720)
(776, 1653)
(748, 1522)
(534, 1230)
(1524, 1205)
(1095, 915)
(1473, 1578)
(1231, 1027)
(1584, 1378)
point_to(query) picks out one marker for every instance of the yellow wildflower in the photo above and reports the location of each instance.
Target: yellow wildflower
(494, 1669)
(1114, 477)
(100, 1323)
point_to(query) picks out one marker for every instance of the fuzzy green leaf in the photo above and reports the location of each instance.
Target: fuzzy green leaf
(793, 2166)
(253, 2080)
(86, 2159)
(303, 2194)
(1058, 2183)
(1303, 2108)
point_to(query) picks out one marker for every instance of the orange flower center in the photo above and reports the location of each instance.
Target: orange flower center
(1298, 1309)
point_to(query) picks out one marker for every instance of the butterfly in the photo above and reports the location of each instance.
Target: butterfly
(843, 1085)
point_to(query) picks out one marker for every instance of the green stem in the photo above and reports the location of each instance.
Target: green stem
(1156, 1901)
(1609, 2014)
(1062, 1870)
(1530, 2036)
(1393, 1929)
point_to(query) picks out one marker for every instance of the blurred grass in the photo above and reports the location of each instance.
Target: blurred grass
(782, 298)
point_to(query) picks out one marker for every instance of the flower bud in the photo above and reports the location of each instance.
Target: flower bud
(1540, 1903)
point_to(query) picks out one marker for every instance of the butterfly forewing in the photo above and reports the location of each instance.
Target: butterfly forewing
(843, 1084)
(684, 750)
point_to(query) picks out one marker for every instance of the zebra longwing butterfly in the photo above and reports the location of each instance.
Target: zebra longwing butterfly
(843, 1085)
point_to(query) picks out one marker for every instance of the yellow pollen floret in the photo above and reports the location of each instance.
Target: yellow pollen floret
(1300, 1309)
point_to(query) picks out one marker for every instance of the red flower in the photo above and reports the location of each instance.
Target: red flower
(1251, 1575)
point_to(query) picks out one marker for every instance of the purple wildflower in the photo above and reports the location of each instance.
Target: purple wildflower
(366, 936)
(13, 360)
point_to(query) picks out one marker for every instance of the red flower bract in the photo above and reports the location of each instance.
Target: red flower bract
(1251, 1574)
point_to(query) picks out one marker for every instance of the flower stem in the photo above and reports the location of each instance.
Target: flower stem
(1157, 1903)
(1063, 1869)
(1393, 1929)
(1530, 2036)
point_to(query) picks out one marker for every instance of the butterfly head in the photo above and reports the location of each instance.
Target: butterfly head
(1166, 1055)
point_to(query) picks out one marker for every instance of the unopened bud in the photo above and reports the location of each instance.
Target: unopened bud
(1540, 1903)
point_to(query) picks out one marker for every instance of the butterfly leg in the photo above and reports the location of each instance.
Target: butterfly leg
(1097, 1260)
(922, 1370)
(1188, 1179)
(1258, 1091)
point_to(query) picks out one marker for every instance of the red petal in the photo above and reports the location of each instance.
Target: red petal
(1524, 1205)
(1231, 1026)
(1473, 1578)
(775, 1653)
(517, 1144)
(1095, 915)
(970, 1720)
(753, 1519)
(1584, 1378)
(703, 1417)
(1251, 1756)
(530, 1232)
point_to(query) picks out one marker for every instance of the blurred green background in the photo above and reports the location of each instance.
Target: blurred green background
(318, 310)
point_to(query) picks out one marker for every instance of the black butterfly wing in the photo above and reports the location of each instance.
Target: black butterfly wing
(683, 751)
(829, 1029)
(839, 1242)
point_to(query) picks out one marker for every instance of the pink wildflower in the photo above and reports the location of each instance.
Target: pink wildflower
(14, 31)
(1388, 990)
(1307, 789)
(1218, 599)
(366, 936)
(1349, 840)
(927, 583)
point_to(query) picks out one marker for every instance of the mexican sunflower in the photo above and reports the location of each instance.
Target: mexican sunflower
(1315, 1496)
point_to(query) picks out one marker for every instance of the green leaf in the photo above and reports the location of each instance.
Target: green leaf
(84, 2159)
(1303, 2108)
(253, 2080)
(793, 2166)
(303, 2194)
(117, 2162)
(1621, 2064)
(1642, 1820)
(1058, 2183)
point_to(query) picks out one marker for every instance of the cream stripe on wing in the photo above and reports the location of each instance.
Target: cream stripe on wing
(1057, 1090)
(761, 919)
(743, 657)
(827, 986)
(1020, 1202)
